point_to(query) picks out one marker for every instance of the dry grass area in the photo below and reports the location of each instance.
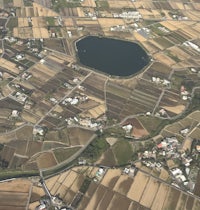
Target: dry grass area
(68, 22)
(27, 116)
(18, 3)
(7, 137)
(138, 133)
(39, 10)
(138, 187)
(139, 37)
(42, 72)
(88, 3)
(164, 174)
(169, 25)
(120, 4)
(160, 197)
(161, 57)
(123, 184)
(111, 140)
(111, 177)
(79, 136)
(104, 23)
(22, 22)
(195, 133)
(27, 32)
(175, 109)
(177, 51)
(95, 112)
(150, 192)
(9, 66)
(38, 22)
(87, 22)
(195, 115)
(40, 33)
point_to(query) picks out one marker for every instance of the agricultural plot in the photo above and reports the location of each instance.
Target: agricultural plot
(14, 194)
(150, 47)
(178, 54)
(172, 103)
(46, 160)
(69, 12)
(9, 66)
(45, 3)
(79, 136)
(163, 42)
(122, 151)
(138, 130)
(63, 154)
(107, 159)
(117, 191)
(157, 70)
(58, 136)
(88, 3)
(126, 102)
(195, 115)
(105, 24)
(142, 99)
(116, 4)
(59, 45)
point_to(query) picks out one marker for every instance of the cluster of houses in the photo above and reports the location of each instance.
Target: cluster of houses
(184, 93)
(21, 97)
(119, 28)
(75, 100)
(128, 15)
(170, 154)
(131, 171)
(158, 80)
(192, 45)
(99, 174)
(85, 122)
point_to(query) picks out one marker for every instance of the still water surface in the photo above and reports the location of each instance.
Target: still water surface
(111, 56)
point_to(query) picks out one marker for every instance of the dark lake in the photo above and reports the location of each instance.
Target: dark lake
(111, 56)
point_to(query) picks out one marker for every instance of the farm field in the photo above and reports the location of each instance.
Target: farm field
(15, 194)
(120, 190)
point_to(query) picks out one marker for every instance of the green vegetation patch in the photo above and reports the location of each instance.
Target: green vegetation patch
(60, 135)
(172, 56)
(156, 28)
(63, 154)
(60, 4)
(1, 147)
(95, 149)
(12, 23)
(102, 5)
(50, 21)
(108, 158)
(195, 103)
(84, 187)
(163, 42)
(122, 151)
(152, 124)
(120, 91)
(8, 174)
(177, 81)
